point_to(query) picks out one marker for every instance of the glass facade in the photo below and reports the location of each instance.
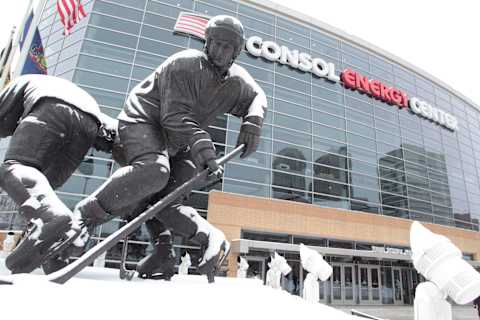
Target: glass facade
(321, 143)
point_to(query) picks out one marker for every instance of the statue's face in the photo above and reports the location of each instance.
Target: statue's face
(220, 52)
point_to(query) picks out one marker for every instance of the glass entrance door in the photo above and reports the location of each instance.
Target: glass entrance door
(375, 284)
(397, 286)
(336, 284)
(325, 290)
(364, 283)
(256, 268)
(407, 286)
(348, 284)
(343, 284)
(369, 291)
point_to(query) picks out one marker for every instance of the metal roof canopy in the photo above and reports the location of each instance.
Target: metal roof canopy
(243, 246)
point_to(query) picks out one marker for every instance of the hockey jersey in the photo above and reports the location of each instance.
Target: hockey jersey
(19, 97)
(189, 94)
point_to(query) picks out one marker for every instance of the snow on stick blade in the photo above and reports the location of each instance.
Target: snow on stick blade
(63, 275)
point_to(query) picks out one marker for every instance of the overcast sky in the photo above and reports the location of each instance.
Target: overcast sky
(440, 37)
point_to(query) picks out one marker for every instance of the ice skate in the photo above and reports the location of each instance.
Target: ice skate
(160, 264)
(214, 248)
(74, 245)
(45, 235)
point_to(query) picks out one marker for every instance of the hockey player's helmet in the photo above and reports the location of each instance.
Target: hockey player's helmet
(229, 27)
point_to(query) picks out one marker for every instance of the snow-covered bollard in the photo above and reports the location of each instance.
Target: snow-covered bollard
(185, 264)
(278, 267)
(7, 247)
(9, 242)
(100, 261)
(242, 267)
(318, 269)
(440, 262)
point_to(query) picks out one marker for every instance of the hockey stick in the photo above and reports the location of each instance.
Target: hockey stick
(63, 275)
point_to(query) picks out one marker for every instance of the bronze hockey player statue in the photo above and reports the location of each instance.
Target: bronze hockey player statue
(164, 142)
(52, 124)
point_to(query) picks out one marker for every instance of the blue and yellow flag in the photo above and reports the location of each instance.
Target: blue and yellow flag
(35, 62)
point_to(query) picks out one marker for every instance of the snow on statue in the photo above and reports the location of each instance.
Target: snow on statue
(164, 142)
(52, 124)
(447, 274)
(278, 267)
(185, 264)
(318, 269)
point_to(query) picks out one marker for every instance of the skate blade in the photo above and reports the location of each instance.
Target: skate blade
(156, 276)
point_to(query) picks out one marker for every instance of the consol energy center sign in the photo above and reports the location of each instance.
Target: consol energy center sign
(195, 24)
(349, 78)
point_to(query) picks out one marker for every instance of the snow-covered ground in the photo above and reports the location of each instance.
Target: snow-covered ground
(98, 293)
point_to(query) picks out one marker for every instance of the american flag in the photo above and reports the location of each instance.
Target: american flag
(70, 11)
(191, 23)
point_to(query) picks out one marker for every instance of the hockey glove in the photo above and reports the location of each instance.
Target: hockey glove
(250, 135)
(105, 139)
(203, 154)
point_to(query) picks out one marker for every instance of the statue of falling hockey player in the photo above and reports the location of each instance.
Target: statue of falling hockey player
(52, 124)
(163, 143)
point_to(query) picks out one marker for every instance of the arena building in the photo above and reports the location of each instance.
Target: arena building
(357, 143)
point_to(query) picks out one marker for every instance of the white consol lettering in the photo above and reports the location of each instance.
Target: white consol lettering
(293, 58)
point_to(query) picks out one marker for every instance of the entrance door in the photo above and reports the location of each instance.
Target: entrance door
(397, 286)
(336, 284)
(365, 283)
(407, 286)
(374, 273)
(256, 267)
(369, 290)
(343, 284)
(325, 290)
(348, 282)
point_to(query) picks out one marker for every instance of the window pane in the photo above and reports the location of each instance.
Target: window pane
(101, 81)
(111, 37)
(117, 11)
(104, 65)
(328, 119)
(107, 51)
(245, 188)
(363, 194)
(114, 23)
(250, 174)
(163, 35)
(327, 132)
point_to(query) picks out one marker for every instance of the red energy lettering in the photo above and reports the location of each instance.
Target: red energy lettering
(355, 81)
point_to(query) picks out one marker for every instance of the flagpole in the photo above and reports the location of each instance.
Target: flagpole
(5, 55)
(8, 62)
(27, 43)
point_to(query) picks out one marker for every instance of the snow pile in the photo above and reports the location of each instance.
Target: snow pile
(98, 293)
